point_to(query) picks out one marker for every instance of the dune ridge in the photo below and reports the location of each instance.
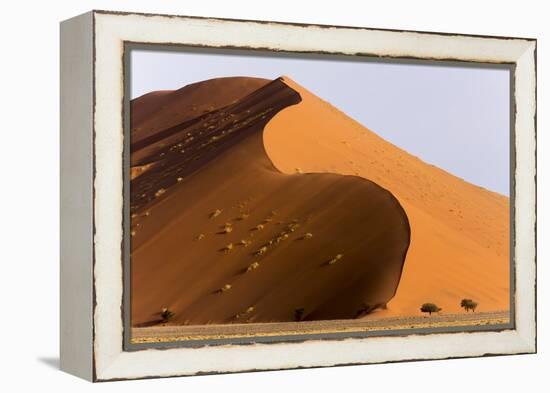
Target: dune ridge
(220, 235)
(158, 110)
(459, 231)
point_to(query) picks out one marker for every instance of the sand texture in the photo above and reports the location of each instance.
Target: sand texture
(459, 231)
(219, 235)
(256, 201)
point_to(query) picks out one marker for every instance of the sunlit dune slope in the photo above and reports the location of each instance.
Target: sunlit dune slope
(459, 232)
(220, 235)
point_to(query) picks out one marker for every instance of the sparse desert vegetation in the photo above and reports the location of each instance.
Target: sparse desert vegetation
(261, 251)
(215, 213)
(225, 288)
(227, 248)
(166, 314)
(338, 257)
(233, 330)
(245, 313)
(159, 192)
(332, 214)
(299, 314)
(293, 226)
(430, 308)
(243, 216)
(244, 242)
(227, 228)
(253, 266)
(468, 304)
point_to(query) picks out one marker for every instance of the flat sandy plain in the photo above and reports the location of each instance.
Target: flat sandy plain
(162, 334)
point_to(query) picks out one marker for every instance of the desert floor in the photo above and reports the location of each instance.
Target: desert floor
(182, 333)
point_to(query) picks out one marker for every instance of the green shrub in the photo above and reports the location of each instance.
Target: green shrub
(468, 304)
(429, 308)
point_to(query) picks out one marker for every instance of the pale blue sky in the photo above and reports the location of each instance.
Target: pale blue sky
(454, 117)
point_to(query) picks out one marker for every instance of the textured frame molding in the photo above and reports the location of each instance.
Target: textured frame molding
(93, 65)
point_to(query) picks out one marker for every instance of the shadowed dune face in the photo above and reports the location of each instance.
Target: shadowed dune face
(220, 235)
(159, 110)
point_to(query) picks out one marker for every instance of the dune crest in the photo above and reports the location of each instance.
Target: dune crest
(459, 231)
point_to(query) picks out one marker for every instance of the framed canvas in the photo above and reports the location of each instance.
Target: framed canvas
(246, 195)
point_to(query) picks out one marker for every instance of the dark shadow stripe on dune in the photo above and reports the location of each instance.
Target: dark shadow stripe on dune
(271, 98)
(165, 133)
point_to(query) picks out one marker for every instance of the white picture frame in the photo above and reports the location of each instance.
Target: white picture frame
(92, 197)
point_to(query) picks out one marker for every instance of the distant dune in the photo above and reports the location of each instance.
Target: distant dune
(220, 235)
(459, 232)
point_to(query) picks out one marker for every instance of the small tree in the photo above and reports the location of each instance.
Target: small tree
(429, 308)
(166, 315)
(468, 304)
(299, 314)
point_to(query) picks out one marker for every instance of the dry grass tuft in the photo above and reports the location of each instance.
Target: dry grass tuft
(292, 227)
(215, 213)
(335, 259)
(282, 236)
(246, 312)
(245, 243)
(261, 251)
(227, 228)
(253, 266)
(243, 216)
(225, 288)
(200, 236)
(228, 248)
(159, 192)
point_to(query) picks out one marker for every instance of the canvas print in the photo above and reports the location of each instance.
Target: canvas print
(278, 195)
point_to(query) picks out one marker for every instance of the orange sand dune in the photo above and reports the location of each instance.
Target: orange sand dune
(219, 235)
(159, 110)
(459, 232)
